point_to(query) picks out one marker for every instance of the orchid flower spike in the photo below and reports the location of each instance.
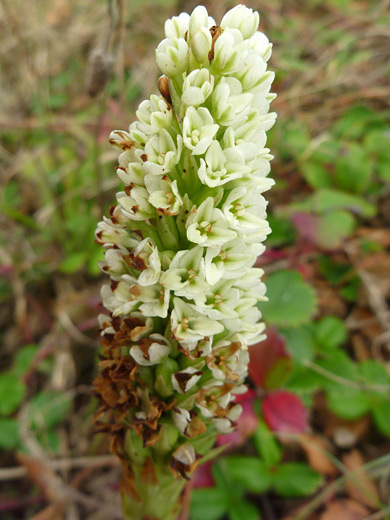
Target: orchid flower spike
(181, 244)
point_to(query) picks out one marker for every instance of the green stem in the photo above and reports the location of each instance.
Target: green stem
(156, 501)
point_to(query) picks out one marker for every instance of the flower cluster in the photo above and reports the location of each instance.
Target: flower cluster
(183, 238)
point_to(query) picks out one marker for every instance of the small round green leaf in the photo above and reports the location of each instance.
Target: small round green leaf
(381, 415)
(12, 392)
(208, 504)
(299, 343)
(372, 371)
(292, 301)
(243, 509)
(330, 332)
(266, 445)
(250, 472)
(295, 479)
(9, 433)
(349, 403)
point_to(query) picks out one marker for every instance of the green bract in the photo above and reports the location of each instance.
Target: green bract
(183, 239)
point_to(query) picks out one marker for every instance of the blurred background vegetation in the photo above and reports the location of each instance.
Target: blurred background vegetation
(72, 71)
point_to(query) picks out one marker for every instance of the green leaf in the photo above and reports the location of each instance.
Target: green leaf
(9, 433)
(73, 262)
(295, 479)
(208, 504)
(334, 227)
(381, 415)
(349, 403)
(353, 171)
(330, 332)
(96, 255)
(335, 272)
(350, 291)
(23, 359)
(353, 124)
(12, 392)
(303, 380)
(327, 152)
(283, 232)
(266, 445)
(250, 472)
(329, 199)
(339, 364)
(300, 343)
(224, 481)
(377, 142)
(243, 510)
(292, 301)
(373, 371)
(48, 409)
(316, 175)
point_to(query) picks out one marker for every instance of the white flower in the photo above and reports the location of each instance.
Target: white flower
(181, 418)
(164, 194)
(114, 263)
(145, 258)
(226, 424)
(213, 398)
(207, 226)
(243, 19)
(227, 261)
(132, 174)
(150, 351)
(118, 299)
(260, 45)
(184, 380)
(153, 299)
(161, 153)
(221, 166)
(198, 129)
(228, 55)
(229, 104)
(245, 211)
(219, 302)
(189, 326)
(136, 206)
(154, 114)
(121, 139)
(253, 75)
(171, 56)
(197, 87)
(108, 234)
(177, 26)
(184, 275)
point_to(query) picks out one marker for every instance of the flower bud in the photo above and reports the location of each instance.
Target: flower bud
(201, 44)
(171, 56)
(197, 87)
(164, 372)
(243, 19)
(167, 439)
(177, 26)
(198, 19)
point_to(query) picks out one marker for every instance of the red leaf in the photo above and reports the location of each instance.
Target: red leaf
(307, 225)
(202, 477)
(270, 363)
(284, 412)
